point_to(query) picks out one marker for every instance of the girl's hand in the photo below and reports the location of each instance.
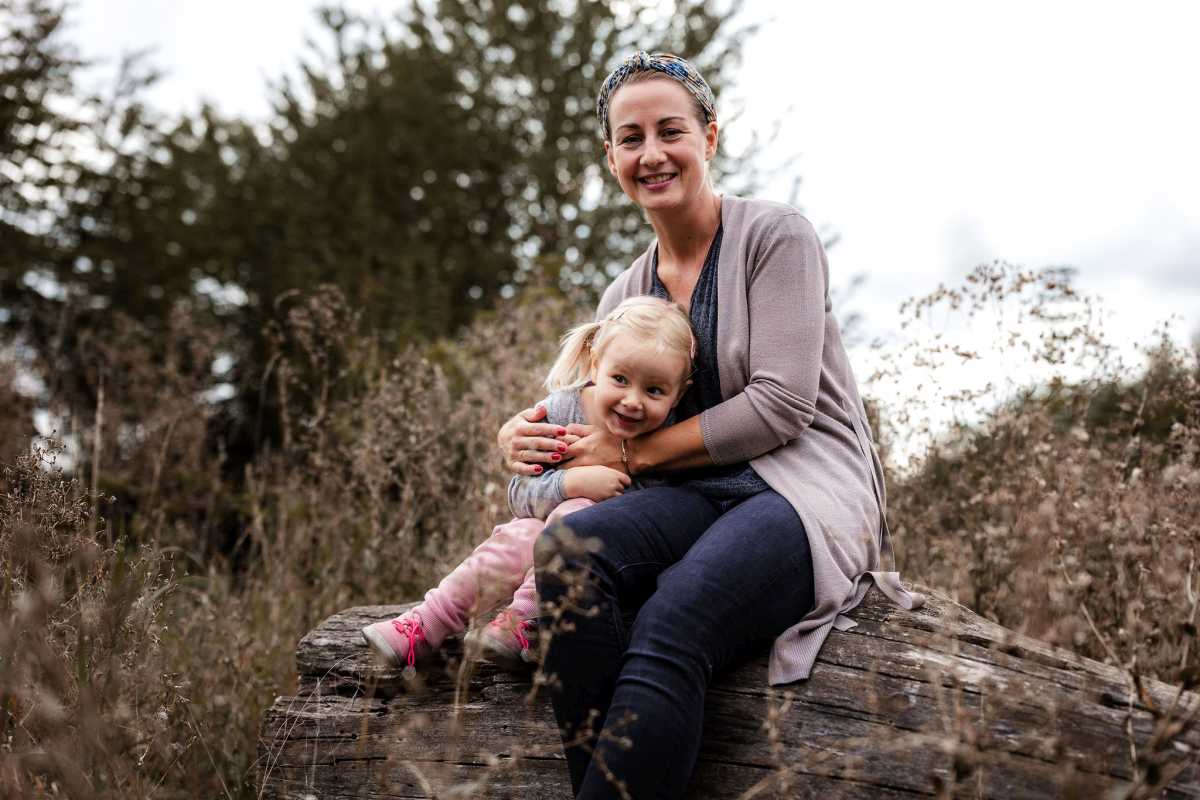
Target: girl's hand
(595, 483)
(596, 447)
(526, 442)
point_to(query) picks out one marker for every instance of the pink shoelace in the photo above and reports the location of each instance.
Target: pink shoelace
(508, 621)
(410, 628)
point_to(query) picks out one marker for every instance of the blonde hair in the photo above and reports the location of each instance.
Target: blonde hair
(649, 318)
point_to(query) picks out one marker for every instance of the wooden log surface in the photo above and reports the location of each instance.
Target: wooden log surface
(926, 703)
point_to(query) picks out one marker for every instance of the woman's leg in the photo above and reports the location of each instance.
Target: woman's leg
(746, 580)
(639, 535)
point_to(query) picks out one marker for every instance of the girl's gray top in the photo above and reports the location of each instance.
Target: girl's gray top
(538, 495)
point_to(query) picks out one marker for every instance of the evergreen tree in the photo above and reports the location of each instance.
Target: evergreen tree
(422, 165)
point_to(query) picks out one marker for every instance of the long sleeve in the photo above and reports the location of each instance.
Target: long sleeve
(786, 295)
(538, 495)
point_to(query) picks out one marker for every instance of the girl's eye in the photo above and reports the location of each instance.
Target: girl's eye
(619, 379)
(655, 390)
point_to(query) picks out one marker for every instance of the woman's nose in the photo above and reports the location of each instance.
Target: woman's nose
(652, 154)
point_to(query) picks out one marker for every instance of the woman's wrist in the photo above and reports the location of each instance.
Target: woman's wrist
(678, 447)
(631, 455)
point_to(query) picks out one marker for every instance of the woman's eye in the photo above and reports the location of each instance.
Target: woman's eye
(631, 140)
(671, 133)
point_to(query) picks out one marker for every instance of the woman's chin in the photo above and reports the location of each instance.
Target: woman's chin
(658, 199)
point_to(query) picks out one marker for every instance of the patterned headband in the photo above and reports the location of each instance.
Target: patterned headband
(672, 66)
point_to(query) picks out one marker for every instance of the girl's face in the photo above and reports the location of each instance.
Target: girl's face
(635, 386)
(660, 150)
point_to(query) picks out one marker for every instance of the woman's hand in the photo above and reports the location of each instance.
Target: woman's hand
(595, 483)
(526, 442)
(594, 447)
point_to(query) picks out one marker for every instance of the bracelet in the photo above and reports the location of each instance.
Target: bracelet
(625, 458)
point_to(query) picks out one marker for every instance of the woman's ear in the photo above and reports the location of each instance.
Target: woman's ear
(608, 156)
(711, 137)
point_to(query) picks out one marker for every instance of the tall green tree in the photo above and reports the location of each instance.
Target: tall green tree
(423, 165)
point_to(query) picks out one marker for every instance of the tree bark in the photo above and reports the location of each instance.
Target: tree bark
(927, 703)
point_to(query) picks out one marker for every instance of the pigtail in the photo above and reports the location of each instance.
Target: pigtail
(574, 361)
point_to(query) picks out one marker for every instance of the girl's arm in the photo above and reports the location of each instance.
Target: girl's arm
(536, 495)
(539, 495)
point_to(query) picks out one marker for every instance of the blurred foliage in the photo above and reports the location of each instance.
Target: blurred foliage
(420, 165)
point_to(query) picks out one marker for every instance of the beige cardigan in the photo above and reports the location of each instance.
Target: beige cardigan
(792, 409)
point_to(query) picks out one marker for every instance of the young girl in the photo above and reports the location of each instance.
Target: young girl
(625, 373)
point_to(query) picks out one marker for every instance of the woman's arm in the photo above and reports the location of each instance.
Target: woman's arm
(526, 441)
(677, 447)
(786, 303)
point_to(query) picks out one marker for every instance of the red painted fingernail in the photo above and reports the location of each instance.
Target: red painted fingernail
(537, 470)
(555, 457)
(562, 448)
(561, 432)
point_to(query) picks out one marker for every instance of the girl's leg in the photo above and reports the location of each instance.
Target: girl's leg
(639, 535)
(480, 582)
(485, 578)
(525, 602)
(745, 581)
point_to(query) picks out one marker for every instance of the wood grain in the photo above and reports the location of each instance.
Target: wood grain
(926, 703)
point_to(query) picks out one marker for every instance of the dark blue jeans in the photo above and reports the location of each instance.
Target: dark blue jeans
(680, 588)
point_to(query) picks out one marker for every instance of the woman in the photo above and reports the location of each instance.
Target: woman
(775, 513)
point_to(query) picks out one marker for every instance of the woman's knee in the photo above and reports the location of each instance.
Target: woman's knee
(671, 636)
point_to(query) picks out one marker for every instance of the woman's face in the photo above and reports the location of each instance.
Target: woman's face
(659, 150)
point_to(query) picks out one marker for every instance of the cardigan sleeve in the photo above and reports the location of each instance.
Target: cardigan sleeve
(786, 298)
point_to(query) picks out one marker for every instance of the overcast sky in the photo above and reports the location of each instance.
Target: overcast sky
(929, 136)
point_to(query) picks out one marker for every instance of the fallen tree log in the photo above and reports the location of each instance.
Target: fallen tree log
(926, 703)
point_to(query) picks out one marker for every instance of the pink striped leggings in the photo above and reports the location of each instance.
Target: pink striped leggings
(498, 569)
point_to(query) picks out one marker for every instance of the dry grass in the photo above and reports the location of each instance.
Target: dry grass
(139, 656)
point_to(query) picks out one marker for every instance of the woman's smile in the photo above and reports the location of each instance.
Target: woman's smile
(658, 182)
